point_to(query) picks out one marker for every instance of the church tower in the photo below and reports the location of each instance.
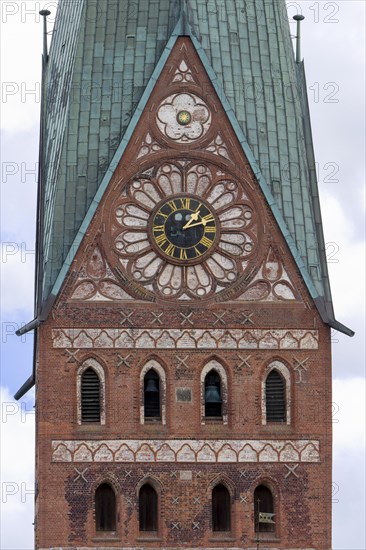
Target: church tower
(183, 307)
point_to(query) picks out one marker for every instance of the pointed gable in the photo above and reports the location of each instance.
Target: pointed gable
(185, 149)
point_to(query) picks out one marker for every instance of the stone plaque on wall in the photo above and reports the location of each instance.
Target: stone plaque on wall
(183, 395)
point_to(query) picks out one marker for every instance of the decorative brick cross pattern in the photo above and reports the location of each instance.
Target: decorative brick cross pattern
(219, 318)
(291, 470)
(186, 318)
(247, 318)
(157, 318)
(126, 318)
(300, 369)
(81, 475)
(244, 363)
(195, 525)
(123, 361)
(71, 355)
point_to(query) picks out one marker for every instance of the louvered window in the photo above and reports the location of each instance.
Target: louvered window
(90, 396)
(152, 394)
(221, 509)
(105, 508)
(275, 397)
(213, 401)
(264, 510)
(148, 508)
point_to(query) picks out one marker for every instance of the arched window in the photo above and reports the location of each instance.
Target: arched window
(90, 396)
(213, 399)
(148, 508)
(264, 510)
(105, 508)
(275, 397)
(152, 394)
(221, 509)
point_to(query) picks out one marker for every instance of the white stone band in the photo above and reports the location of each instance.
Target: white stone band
(147, 338)
(178, 450)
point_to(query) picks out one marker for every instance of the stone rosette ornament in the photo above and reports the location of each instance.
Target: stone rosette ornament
(183, 117)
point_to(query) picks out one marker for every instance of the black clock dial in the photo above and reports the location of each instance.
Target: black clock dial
(184, 228)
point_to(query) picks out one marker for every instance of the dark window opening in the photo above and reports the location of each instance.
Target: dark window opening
(275, 397)
(148, 508)
(90, 396)
(213, 400)
(221, 509)
(152, 394)
(105, 508)
(264, 510)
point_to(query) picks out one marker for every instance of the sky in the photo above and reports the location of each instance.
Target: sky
(333, 46)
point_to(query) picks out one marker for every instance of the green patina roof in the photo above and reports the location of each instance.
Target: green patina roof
(104, 59)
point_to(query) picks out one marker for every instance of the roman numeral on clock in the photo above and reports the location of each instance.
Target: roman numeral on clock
(161, 240)
(186, 203)
(170, 249)
(206, 242)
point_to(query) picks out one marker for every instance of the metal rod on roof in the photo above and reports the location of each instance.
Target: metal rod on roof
(45, 14)
(298, 19)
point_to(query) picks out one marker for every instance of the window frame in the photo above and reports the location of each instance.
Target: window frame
(159, 369)
(223, 532)
(283, 370)
(215, 364)
(103, 532)
(99, 369)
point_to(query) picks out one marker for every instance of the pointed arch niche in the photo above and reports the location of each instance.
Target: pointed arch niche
(92, 365)
(282, 370)
(215, 366)
(153, 365)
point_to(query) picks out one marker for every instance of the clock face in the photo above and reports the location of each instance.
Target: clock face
(184, 229)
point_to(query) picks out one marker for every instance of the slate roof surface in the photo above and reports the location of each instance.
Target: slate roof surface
(102, 57)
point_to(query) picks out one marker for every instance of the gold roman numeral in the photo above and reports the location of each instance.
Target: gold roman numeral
(158, 228)
(206, 242)
(186, 203)
(198, 253)
(160, 213)
(183, 254)
(173, 206)
(170, 249)
(210, 229)
(161, 240)
(208, 218)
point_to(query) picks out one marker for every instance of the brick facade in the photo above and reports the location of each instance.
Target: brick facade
(120, 317)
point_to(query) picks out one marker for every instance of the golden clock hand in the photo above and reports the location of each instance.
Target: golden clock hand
(193, 218)
(202, 222)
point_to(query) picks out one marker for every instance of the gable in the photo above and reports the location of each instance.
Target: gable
(120, 259)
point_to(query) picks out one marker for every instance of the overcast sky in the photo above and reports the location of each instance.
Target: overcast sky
(333, 47)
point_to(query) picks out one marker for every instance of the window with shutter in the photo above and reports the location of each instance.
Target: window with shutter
(148, 508)
(105, 508)
(275, 397)
(264, 510)
(152, 394)
(90, 396)
(221, 509)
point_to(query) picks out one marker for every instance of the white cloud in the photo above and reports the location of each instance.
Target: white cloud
(345, 254)
(349, 464)
(17, 473)
(349, 415)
